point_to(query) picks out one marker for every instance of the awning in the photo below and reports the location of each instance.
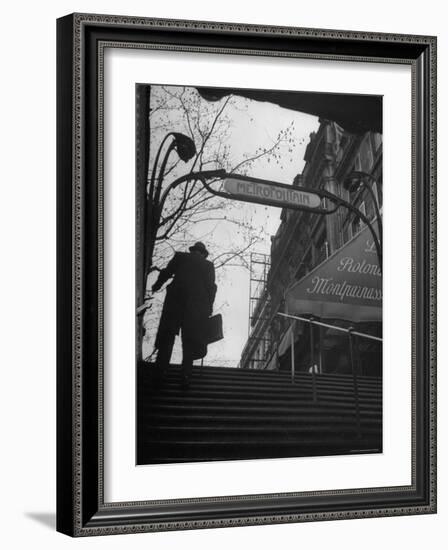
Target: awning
(285, 341)
(348, 285)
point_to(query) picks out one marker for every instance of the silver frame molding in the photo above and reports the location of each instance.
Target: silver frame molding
(81, 509)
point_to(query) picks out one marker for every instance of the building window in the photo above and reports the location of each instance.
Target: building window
(357, 223)
(321, 247)
(305, 266)
(346, 232)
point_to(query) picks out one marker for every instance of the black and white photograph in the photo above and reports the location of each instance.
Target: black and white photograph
(223, 275)
(246, 277)
(258, 274)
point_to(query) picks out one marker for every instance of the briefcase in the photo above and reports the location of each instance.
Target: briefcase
(214, 329)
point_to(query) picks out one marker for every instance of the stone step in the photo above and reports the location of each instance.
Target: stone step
(161, 451)
(291, 396)
(259, 375)
(238, 385)
(272, 402)
(248, 434)
(212, 421)
(251, 411)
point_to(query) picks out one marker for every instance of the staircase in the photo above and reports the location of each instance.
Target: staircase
(230, 414)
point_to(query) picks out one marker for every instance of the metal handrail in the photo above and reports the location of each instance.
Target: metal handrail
(351, 333)
(335, 327)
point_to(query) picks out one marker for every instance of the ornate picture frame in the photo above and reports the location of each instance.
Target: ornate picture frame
(82, 509)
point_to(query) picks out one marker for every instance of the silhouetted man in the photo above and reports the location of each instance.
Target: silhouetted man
(188, 305)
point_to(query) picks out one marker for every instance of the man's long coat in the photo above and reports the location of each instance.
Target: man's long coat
(189, 299)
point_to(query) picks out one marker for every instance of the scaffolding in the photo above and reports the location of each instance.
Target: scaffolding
(260, 265)
(258, 338)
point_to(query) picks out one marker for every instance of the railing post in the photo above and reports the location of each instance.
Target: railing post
(277, 358)
(355, 382)
(293, 365)
(321, 350)
(358, 357)
(313, 370)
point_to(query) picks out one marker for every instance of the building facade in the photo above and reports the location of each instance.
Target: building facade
(302, 242)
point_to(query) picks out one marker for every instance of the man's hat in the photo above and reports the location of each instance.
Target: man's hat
(200, 247)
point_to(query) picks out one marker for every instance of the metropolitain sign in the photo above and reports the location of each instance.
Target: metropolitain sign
(274, 194)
